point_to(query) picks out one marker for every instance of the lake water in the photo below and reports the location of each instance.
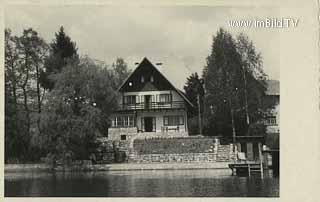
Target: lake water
(157, 183)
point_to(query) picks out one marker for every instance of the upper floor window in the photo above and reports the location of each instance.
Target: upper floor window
(271, 121)
(130, 83)
(142, 79)
(129, 99)
(151, 79)
(165, 98)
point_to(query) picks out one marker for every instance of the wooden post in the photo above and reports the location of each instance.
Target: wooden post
(249, 170)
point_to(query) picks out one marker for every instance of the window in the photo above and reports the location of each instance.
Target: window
(142, 79)
(151, 79)
(130, 99)
(165, 98)
(123, 121)
(123, 137)
(173, 120)
(130, 83)
(271, 121)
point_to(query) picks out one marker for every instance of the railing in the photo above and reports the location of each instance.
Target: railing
(153, 105)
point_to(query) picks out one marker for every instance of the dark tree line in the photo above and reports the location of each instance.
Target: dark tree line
(234, 85)
(55, 100)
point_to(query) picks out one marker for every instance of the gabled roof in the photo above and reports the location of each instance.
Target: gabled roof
(144, 66)
(273, 87)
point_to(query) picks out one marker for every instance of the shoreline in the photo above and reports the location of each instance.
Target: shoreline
(11, 168)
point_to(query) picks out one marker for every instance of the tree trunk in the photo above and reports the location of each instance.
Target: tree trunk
(232, 121)
(246, 96)
(38, 89)
(25, 101)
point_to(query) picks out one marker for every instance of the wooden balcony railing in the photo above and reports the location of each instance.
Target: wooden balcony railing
(153, 105)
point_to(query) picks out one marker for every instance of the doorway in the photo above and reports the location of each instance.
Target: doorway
(147, 99)
(149, 124)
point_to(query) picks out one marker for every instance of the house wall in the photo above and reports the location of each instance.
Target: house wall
(275, 111)
(159, 118)
(130, 132)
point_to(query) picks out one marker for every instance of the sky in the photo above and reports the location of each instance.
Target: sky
(180, 37)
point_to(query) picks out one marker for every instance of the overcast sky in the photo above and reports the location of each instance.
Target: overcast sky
(178, 36)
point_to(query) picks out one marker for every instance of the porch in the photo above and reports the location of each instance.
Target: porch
(152, 106)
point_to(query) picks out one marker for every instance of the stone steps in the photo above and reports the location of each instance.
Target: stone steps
(223, 153)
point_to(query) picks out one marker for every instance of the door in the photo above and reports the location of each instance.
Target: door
(147, 101)
(149, 124)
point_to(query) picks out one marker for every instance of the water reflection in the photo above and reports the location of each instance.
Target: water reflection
(163, 183)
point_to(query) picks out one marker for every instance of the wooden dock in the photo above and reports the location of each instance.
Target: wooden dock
(247, 168)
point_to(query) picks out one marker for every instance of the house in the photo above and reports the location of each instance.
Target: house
(272, 148)
(149, 105)
(272, 100)
(250, 144)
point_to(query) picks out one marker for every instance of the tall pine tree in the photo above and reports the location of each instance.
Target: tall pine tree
(62, 51)
(233, 92)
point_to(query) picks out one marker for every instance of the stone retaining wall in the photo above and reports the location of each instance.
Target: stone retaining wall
(224, 153)
(165, 150)
(173, 158)
(115, 133)
(131, 132)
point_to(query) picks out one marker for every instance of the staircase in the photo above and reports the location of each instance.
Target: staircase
(223, 153)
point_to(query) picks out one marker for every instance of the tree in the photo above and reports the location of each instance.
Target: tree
(24, 58)
(62, 50)
(15, 138)
(252, 72)
(77, 108)
(194, 91)
(233, 93)
(120, 72)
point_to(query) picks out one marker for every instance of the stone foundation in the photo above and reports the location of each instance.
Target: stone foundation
(132, 133)
(173, 158)
(193, 149)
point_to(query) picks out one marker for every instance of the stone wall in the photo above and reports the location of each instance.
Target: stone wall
(182, 150)
(132, 132)
(173, 158)
(219, 156)
(115, 133)
(165, 150)
(175, 145)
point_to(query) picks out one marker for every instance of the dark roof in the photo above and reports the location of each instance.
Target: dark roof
(273, 87)
(146, 68)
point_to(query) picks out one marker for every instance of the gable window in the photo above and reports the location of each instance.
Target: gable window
(151, 79)
(130, 83)
(142, 79)
(173, 120)
(165, 98)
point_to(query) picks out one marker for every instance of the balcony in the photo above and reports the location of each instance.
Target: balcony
(152, 106)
